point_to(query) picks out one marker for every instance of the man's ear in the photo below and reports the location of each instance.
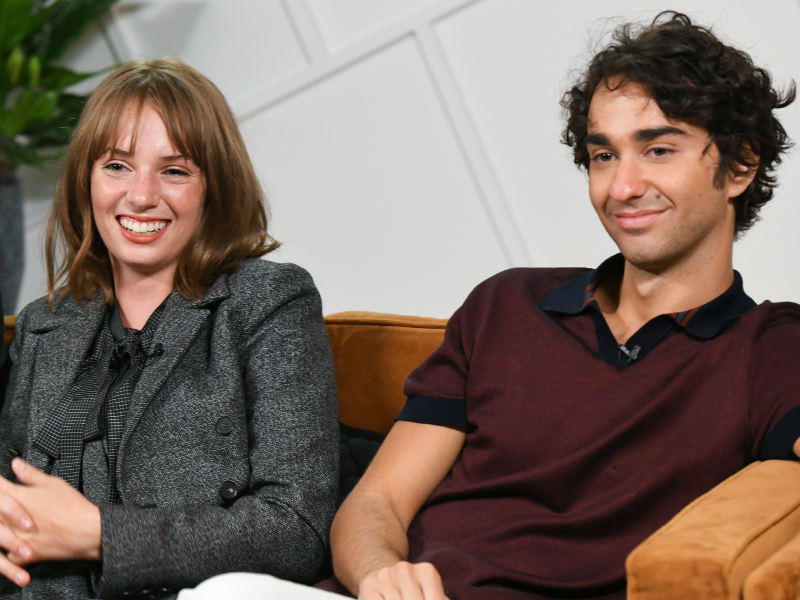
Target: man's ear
(740, 175)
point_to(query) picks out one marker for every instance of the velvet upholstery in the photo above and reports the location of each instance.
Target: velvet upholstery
(374, 353)
(707, 551)
(8, 333)
(778, 578)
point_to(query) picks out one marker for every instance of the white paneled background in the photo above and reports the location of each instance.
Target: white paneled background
(410, 148)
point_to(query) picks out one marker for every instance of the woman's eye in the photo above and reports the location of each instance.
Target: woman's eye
(114, 167)
(176, 171)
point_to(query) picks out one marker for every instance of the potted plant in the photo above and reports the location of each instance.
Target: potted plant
(37, 114)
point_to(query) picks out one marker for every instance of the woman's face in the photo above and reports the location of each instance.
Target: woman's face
(147, 202)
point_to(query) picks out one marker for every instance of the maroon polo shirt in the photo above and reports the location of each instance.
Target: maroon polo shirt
(577, 449)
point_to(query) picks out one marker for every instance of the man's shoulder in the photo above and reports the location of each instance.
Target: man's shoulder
(533, 284)
(776, 318)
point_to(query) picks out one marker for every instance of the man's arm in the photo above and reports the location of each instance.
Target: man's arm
(369, 538)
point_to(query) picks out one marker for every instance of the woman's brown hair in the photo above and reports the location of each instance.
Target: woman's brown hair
(201, 126)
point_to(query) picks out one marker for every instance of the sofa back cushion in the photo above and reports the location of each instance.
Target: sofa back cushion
(10, 323)
(374, 354)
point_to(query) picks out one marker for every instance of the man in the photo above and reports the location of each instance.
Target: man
(569, 413)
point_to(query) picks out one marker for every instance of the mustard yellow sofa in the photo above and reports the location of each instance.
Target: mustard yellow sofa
(740, 540)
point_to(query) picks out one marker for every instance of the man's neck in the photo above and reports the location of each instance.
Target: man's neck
(639, 295)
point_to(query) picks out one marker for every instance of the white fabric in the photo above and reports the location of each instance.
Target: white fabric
(252, 586)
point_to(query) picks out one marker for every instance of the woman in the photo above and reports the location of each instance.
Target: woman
(172, 407)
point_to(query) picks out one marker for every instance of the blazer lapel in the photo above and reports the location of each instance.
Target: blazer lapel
(63, 337)
(177, 330)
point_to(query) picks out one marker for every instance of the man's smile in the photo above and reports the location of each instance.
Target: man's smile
(638, 218)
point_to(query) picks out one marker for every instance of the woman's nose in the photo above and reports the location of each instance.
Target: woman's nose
(143, 192)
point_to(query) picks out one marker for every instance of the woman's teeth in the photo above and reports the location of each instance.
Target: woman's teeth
(148, 228)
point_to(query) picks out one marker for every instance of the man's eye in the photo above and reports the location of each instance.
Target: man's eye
(603, 157)
(660, 151)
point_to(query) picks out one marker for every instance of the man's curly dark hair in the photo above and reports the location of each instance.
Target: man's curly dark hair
(695, 78)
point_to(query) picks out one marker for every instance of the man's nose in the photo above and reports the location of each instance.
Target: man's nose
(629, 181)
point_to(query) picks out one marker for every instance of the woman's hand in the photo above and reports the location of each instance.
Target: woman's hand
(43, 519)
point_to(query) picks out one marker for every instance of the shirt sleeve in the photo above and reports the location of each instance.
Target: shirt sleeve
(775, 380)
(436, 389)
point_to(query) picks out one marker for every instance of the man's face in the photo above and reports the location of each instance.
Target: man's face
(651, 181)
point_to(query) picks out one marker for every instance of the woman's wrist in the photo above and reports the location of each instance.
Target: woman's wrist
(92, 534)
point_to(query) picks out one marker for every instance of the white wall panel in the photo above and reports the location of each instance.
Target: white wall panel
(38, 186)
(238, 44)
(370, 188)
(344, 21)
(370, 192)
(511, 61)
(90, 53)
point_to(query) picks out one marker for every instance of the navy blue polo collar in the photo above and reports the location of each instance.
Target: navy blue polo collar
(706, 321)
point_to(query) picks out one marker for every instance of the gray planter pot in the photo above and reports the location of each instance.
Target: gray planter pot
(12, 243)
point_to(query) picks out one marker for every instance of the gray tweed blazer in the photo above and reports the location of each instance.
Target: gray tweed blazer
(197, 499)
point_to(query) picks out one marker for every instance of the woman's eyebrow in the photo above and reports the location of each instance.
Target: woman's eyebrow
(127, 154)
(118, 152)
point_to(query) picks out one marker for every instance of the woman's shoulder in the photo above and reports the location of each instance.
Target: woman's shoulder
(268, 284)
(256, 274)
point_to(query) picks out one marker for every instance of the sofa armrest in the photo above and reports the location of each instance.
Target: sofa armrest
(8, 329)
(778, 578)
(708, 550)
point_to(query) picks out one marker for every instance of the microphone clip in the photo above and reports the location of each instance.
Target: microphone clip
(627, 356)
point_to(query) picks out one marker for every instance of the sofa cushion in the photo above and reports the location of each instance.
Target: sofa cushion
(374, 354)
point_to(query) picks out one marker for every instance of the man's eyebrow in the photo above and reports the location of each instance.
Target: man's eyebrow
(648, 135)
(597, 139)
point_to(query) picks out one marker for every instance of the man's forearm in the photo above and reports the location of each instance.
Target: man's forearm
(366, 536)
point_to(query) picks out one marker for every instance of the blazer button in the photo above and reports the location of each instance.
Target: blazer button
(224, 425)
(228, 490)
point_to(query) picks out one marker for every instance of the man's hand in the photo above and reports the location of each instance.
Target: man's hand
(403, 581)
(43, 519)
(369, 534)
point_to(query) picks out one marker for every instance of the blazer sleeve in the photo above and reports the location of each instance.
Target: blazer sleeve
(280, 525)
(14, 415)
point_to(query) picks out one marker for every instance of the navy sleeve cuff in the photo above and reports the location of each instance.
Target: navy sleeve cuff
(435, 410)
(780, 440)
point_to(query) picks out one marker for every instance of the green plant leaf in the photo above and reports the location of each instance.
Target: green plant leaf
(68, 21)
(30, 106)
(14, 64)
(40, 16)
(34, 71)
(14, 16)
(58, 78)
(19, 154)
(57, 129)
